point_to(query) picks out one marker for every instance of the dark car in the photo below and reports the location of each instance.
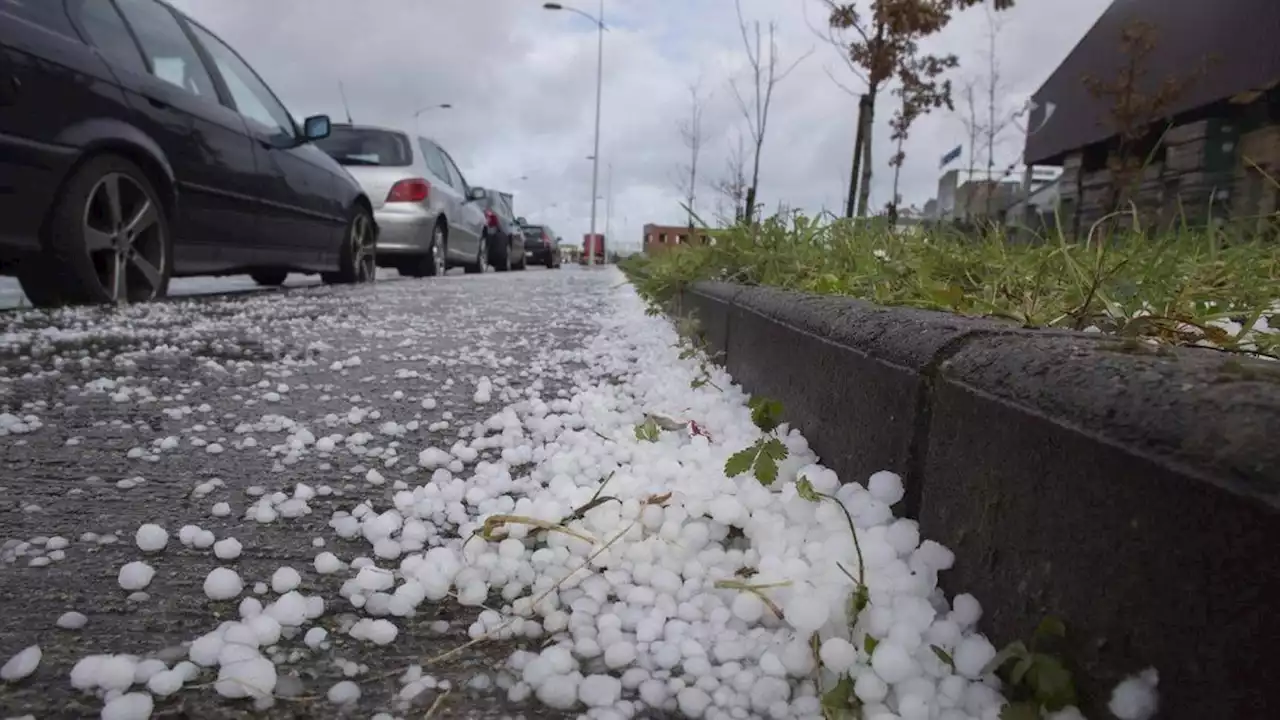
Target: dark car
(506, 239)
(135, 146)
(541, 245)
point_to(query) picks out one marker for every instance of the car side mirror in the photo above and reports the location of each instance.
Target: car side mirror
(521, 221)
(316, 127)
(475, 193)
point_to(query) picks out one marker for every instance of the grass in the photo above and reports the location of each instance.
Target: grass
(1187, 287)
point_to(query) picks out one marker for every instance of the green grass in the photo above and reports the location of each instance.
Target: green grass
(1180, 288)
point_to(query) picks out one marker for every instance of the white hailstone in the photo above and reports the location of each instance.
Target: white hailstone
(151, 538)
(22, 664)
(72, 620)
(327, 563)
(227, 549)
(1135, 697)
(220, 509)
(314, 637)
(966, 610)
(748, 607)
(129, 706)
(838, 654)
(892, 662)
(285, 579)
(166, 683)
(806, 611)
(559, 692)
(344, 693)
(599, 690)
(135, 575)
(972, 655)
(249, 677)
(222, 584)
(886, 487)
(619, 655)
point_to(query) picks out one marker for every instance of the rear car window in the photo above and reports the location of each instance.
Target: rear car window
(533, 232)
(367, 147)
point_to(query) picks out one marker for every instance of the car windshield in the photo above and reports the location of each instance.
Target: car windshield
(361, 146)
(533, 232)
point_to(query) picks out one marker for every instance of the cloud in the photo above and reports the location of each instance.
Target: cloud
(522, 84)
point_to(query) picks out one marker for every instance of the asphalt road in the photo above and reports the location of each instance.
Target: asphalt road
(103, 382)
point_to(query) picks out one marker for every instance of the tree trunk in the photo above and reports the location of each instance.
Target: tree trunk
(868, 114)
(859, 140)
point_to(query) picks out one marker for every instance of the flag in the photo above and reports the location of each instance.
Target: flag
(950, 157)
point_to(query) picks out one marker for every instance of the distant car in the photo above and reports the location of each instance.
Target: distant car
(135, 146)
(506, 240)
(430, 218)
(541, 245)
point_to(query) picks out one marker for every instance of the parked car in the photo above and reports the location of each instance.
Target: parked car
(430, 218)
(506, 240)
(541, 245)
(135, 146)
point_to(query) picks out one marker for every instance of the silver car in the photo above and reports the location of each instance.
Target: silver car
(429, 219)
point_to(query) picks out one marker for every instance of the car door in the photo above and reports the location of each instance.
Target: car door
(472, 217)
(179, 105)
(462, 244)
(299, 223)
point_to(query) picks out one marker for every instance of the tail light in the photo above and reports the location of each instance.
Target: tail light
(491, 218)
(546, 240)
(411, 190)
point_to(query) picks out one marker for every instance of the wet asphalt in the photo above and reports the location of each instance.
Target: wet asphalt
(205, 360)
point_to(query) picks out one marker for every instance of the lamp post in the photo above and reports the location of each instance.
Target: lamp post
(418, 113)
(595, 157)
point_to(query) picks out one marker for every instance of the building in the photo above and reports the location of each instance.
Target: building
(658, 238)
(1210, 152)
(974, 194)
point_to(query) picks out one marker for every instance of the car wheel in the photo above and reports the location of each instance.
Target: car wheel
(551, 261)
(269, 278)
(482, 256)
(109, 239)
(502, 263)
(358, 263)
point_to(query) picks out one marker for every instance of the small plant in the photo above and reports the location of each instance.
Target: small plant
(763, 456)
(652, 427)
(1038, 681)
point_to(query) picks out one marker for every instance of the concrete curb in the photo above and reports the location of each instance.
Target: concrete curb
(1132, 492)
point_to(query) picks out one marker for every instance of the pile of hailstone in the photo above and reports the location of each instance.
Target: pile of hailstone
(656, 596)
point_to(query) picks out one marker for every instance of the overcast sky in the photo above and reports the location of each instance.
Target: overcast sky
(521, 80)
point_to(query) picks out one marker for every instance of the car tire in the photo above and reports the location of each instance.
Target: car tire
(358, 258)
(108, 242)
(269, 278)
(502, 257)
(482, 257)
(551, 261)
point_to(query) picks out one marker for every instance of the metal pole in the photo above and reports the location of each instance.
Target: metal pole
(595, 158)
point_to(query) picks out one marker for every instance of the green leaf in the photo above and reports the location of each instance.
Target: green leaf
(765, 413)
(805, 490)
(697, 383)
(839, 703)
(1015, 649)
(648, 430)
(944, 656)
(1020, 669)
(667, 423)
(774, 448)
(740, 462)
(1020, 711)
(869, 644)
(766, 469)
(1050, 627)
(860, 600)
(687, 353)
(1052, 682)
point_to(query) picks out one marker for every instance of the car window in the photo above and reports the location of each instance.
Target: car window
(48, 15)
(252, 97)
(455, 175)
(108, 33)
(435, 161)
(367, 146)
(169, 52)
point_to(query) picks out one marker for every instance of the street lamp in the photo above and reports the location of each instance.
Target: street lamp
(595, 157)
(417, 116)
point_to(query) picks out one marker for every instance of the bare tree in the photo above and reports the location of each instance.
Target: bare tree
(974, 130)
(732, 186)
(692, 135)
(999, 117)
(765, 73)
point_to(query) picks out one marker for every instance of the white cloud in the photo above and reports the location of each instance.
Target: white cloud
(522, 83)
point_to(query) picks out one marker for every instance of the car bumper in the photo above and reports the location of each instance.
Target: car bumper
(404, 231)
(30, 173)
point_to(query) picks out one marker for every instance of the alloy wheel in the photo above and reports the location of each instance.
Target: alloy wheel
(124, 239)
(364, 250)
(437, 253)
